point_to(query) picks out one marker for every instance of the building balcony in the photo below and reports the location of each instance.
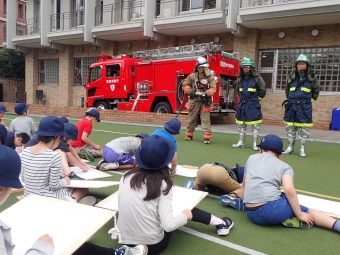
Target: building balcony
(120, 22)
(269, 14)
(67, 28)
(28, 33)
(190, 17)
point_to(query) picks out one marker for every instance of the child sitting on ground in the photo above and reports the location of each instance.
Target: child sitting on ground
(41, 165)
(16, 141)
(2, 114)
(23, 123)
(119, 153)
(83, 145)
(265, 204)
(9, 172)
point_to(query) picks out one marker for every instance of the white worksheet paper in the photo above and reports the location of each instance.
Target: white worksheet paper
(90, 175)
(319, 204)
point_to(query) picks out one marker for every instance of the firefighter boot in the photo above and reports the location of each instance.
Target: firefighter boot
(256, 132)
(189, 138)
(206, 141)
(242, 129)
(303, 134)
(302, 148)
(291, 134)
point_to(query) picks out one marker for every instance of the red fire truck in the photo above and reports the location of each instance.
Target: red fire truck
(150, 81)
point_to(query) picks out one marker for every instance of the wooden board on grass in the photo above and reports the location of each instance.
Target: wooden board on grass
(69, 224)
(187, 171)
(182, 199)
(91, 184)
(90, 175)
(17, 190)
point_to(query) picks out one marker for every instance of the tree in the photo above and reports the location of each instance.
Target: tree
(12, 64)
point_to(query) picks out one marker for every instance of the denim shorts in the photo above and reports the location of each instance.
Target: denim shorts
(273, 212)
(110, 156)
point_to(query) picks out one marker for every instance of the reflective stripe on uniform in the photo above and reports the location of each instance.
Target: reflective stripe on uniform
(297, 124)
(252, 89)
(305, 89)
(240, 89)
(292, 89)
(186, 88)
(248, 122)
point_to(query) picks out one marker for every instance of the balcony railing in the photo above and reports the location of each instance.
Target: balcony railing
(30, 27)
(164, 8)
(120, 12)
(250, 3)
(67, 20)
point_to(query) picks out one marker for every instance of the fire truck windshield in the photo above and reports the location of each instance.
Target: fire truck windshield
(95, 73)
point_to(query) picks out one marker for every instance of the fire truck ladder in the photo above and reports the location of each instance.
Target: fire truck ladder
(184, 51)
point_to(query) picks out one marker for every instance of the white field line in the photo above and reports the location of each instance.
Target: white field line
(221, 242)
(211, 238)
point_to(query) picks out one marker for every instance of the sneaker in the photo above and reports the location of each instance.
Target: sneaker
(67, 198)
(223, 229)
(206, 141)
(189, 184)
(104, 166)
(88, 200)
(137, 250)
(294, 222)
(235, 202)
(73, 176)
(189, 138)
(99, 163)
(85, 154)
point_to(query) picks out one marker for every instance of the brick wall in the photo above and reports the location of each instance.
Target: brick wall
(272, 112)
(10, 87)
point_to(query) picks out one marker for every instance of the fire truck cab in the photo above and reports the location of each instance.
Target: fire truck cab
(151, 80)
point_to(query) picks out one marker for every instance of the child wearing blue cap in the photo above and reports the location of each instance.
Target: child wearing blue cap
(171, 129)
(264, 173)
(84, 146)
(119, 153)
(3, 111)
(146, 196)
(41, 165)
(23, 123)
(9, 178)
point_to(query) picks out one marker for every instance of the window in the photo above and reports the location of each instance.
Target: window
(81, 66)
(188, 5)
(113, 71)
(20, 11)
(5, 7)
(49, 72)
(95, 73)
(5, 32)
(325, 61)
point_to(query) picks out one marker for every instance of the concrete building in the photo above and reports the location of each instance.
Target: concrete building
(63, 37)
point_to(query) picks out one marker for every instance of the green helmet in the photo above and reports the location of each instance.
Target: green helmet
(247, 61)
(303, 58)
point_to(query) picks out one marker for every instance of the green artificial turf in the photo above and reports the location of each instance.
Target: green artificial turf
(318, 173)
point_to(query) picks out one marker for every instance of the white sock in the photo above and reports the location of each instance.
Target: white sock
(216, 221)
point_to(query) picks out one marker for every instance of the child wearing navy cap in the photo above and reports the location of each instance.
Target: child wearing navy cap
(41, 165)
(264, 173)
(84, 146)
(23, 123)
(3, 111)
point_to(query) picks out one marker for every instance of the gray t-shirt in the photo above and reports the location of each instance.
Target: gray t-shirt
(127, 145)
(264, 177)
(23, 124)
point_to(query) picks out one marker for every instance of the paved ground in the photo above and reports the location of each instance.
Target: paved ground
(330, 136)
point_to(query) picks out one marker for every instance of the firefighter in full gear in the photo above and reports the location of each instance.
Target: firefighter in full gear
(200, 86)
(251, 90)
(302, 89)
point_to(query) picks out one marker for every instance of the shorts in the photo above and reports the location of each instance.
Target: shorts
(110, 156)
(273, 212)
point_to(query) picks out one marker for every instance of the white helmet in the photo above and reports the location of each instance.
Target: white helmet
(202, 62)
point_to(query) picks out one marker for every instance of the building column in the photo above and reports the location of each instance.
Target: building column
(248, 46)
(66, 76)
(31, 75)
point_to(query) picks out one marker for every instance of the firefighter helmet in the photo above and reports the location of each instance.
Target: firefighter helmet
(202, 62)
(247, 61)
(303, 58)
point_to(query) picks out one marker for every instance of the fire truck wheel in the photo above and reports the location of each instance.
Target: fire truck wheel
(102, 105)
(163, 107)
